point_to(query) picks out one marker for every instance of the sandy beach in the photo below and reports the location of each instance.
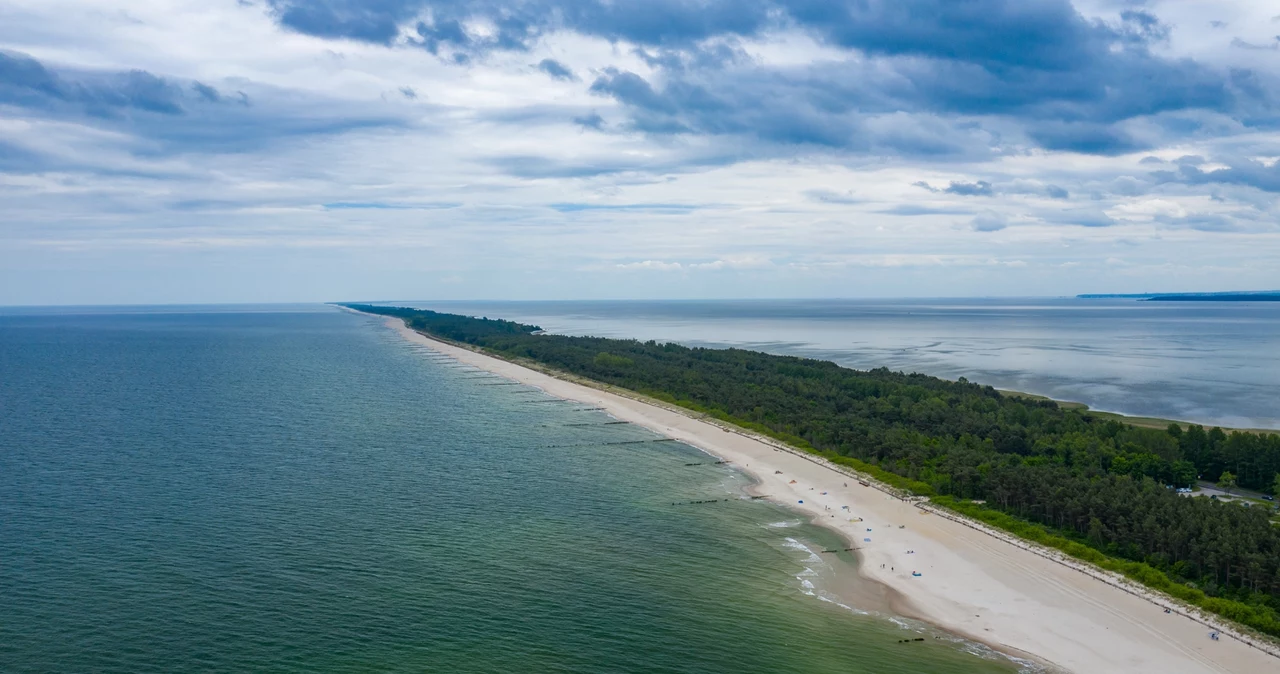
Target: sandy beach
(1013, 596)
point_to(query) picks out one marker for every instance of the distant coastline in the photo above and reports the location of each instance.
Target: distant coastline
(1233, 296)
(1131, 419)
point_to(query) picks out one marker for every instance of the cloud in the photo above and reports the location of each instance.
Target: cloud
(989, 221)
(655, 265)
(737, 262)
(833, 197)
(1204, 222)
(382, 205)
(557, 70)
(1084, 137)
(206, 92)
(515, 24)
(1245, 172)
(25, 82)
(167, 115)
(590, 121)
(915, 209)
(541, 147)
(370, 20)
(1065, 82)
(1273, 45)
(643, 208)
(1080, 217)
(981, 188)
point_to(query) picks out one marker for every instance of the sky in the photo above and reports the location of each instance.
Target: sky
(174, 151)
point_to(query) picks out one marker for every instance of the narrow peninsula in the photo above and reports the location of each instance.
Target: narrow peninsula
(1098, 535)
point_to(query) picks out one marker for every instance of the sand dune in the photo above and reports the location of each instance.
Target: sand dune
(974, 583)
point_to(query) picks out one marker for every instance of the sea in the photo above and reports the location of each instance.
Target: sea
(1213, 363)
(299, 489)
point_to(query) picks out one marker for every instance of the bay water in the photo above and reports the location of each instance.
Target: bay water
(1215, 363)
(298, 489)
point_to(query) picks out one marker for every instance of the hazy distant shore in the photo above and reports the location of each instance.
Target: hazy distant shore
(974, 582)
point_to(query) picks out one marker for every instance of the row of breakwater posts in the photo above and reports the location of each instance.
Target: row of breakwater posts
(609, 444)
(713, 500)
(1114, 579)
(707, 463)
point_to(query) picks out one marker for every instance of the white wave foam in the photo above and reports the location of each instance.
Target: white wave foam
(824, 597)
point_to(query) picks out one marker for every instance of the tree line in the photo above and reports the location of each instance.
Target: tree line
(1098, 482)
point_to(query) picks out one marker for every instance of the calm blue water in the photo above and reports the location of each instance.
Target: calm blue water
(298, 489)
(1215, 363)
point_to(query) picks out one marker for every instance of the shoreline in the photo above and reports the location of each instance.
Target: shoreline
(977, 583)
(1156, 423)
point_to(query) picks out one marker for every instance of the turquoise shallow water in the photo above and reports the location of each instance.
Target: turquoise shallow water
(301, 490)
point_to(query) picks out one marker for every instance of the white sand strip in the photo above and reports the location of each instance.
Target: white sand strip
(982, 585)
